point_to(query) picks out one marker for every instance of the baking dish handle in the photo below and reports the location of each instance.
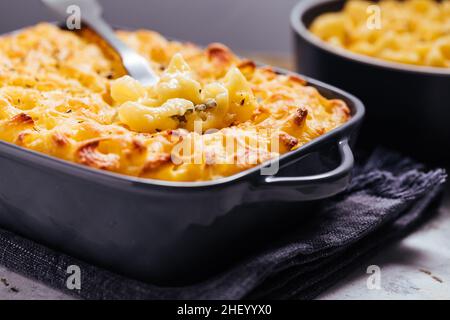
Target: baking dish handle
(314, 187)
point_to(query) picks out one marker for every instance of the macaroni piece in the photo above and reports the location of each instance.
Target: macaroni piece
(412, 31)
(211, 115)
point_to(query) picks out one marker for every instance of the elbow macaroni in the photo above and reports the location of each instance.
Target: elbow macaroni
(178, 100)
(66, 95)
(412, 31)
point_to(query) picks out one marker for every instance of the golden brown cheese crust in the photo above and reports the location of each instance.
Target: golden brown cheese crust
(55, 98)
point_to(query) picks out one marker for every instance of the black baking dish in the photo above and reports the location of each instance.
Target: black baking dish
(168, 232)
(408, 107)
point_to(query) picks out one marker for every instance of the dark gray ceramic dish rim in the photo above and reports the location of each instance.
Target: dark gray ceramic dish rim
(107, 177)
(299, 27)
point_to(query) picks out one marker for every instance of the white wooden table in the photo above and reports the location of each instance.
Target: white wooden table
(418, 267)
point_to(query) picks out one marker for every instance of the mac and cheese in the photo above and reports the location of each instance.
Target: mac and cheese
(66, 94)
(412, 31)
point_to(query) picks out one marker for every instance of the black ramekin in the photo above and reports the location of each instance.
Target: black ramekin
(408, 107)
(169, 232)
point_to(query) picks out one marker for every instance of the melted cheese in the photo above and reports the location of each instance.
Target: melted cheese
(414, 32)
(210, 116)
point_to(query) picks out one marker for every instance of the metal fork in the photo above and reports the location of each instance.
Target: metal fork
(91, 15)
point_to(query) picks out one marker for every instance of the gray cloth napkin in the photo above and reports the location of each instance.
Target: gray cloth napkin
(388, 196)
